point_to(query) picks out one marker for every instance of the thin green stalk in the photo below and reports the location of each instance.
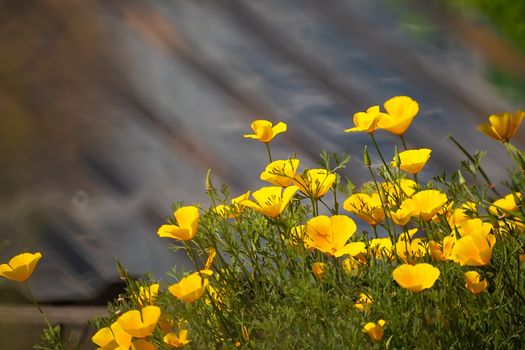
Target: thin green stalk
(385, 211)
(403, 141)
(381, 155)
(492, 186)
(268, 150)
(33, 300)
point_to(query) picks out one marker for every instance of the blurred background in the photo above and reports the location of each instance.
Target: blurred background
(110, 111)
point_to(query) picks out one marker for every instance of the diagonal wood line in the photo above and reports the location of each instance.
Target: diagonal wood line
(163, 35)
(348, 95)
(397, 56)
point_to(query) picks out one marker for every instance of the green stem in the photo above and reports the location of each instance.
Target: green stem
(381, 155)
(386, 210)
(403, 141)
(268, 150)
(481, 171)
(33, 300)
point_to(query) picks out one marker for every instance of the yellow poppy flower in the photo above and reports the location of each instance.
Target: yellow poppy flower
(474, 249)
(224, 211)
(367, 121)
(412, 161)
(503, 205)
(191, 287)
(442, 251)
(363, 303)
(330, 234)
(20, 267)
(400, 111)
(175, 340)
(265, 131)
(511, 226)
(148, 294)
(408, 235)
(460, 215)
(416, 278)
(375, 331)
(474, 226)
(402, 216)
(187, 221)
(319, 269)
(233, 210)
(397, 192)
(368, 208)
(314, 182)
(113, 337)
(280, 172)
(474, 284)
(427, 203)
(407, 251)
(140, 324)
(271, 200)
(353, 265)
(297, 234)
(501, 127)
(381, 248)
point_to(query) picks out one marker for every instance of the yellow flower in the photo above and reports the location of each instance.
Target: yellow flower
(460, 215)
(407, 251)
(175, 340)
(502, 206)
(353, 265)
(314, 182)
(191, 287)
(363, 303)
(427, 203)
(20, 267)
(396, 192)
(412, 161)
(233, 210)
(474, 284)
(501, 127)
(319, 269)
(367, 121)
(442, 252)
(140, 324)
(148, 294)
(271, 200)
(402, 216)
(401, 110)
(187, 222)
(280, 172)
(474, 249)
(416, 277)
(224, 211)
(113, 337)
(381, 248)
(368, 208)
(297, 234)
(375, 331)
(474, 226)
(265, 131)
(511, 226)
(330, 234)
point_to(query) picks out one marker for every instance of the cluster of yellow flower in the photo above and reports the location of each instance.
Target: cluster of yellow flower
(406, 209)
(400, 200)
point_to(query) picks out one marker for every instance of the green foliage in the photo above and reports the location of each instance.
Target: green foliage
(297, 279)
(50, 339)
